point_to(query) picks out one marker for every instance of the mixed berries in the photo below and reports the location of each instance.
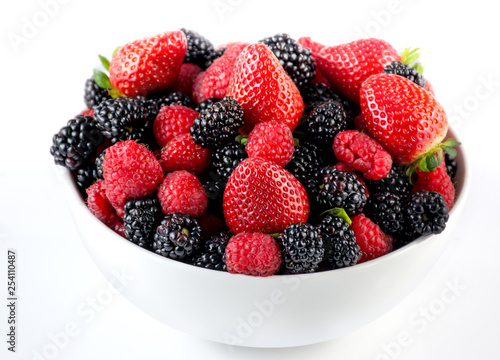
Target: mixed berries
(280, 156)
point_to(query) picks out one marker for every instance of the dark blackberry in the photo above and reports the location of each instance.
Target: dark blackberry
(404, 238)
(426, 213)
(215, 191)
(150, 106)
(199, 49)
(325, 121)
(313, 94)
(205, 104)
(296, 60)
(226, 158)
(386, 210)
(305, 162)
(398, 68)
(213, 254)
(85, 177)
(123, 119)
(339, 240)
(177, 237)
(218, 124)
(332, 188)
(76, 143)
(396, 182)
(99, 163)
(141, 217)
(451, 165)
(213, 56)
(302, 248)
(93, 94)
(173, 98)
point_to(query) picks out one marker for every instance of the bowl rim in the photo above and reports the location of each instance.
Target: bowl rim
(77, 199)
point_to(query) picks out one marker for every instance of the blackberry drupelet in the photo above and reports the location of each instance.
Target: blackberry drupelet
(305, 162)
(404, 70)
(325, 121)
(177, 237)
(332, 188)
(296, 60)
(213, 254)
(123, 119)
(386, 210)
(205, 104)
(451, 165)
(339, 240)
(141, 217)
(226, 158)
(199, 49)
(85, 177)
(396, 182)
(76, 144)
(99, 163)
(173, 98)
(302, 248)
(426, 213)
(218, 124)
(93, 94)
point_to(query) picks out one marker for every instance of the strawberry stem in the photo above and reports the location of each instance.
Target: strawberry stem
(338, 212)
(409, 57)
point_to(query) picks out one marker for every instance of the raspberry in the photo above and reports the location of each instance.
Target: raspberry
(186, 77)
(302, 248)
(141, 217)
(88, 112)
(182, 153)
(438, 181)
(271, 140)
(362, 153)
(426, 213)
(371, 239)
(213, 253)
(130, 171)
(253, 254)
(101, 208)
(171, 121)
(182, 192)
(177, 237)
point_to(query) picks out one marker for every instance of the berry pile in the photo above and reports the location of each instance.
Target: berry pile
(280, 156)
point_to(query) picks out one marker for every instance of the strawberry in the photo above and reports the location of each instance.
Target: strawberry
(261, 196)
(148, 65)
(438, 181)
(263, 88)
(406, 120)
(346, 66)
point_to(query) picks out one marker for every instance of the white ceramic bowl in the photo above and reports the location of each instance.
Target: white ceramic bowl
(278, 311)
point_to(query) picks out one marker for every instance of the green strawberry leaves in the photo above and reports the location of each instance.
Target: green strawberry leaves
(102, 79)
(409, 57)
(338, 212)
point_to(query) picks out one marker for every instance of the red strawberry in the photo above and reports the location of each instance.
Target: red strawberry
(261, 196)
(429, 87)
(101, 208)
(404, 118)
(172, 121)
(264, 90)
(148, 65)
(271, 140)
(130, 171)
(182, 153)
(346, 66)
(370, 238)
(438, 181)
(186, 77)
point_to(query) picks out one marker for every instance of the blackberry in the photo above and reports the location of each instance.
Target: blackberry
(93, 94)
(339, 240)
(99, 163)
(305, 162)
(123, 119)
(332, 188)
(396, 182)
(213, 254)
(226, 158)
(296, 60)
(141, 217)
(404, 70)
(199, 49)
(213, 56)
(215, 191)
(173, 98)
(302, 248)
(451, 165)
(404, 238)
(218, 124)
(177, 237)
(386, 210)
(325, 121)
(313, 94)
(205, 104)
(76, 143)
(85, 177)
(426, 213)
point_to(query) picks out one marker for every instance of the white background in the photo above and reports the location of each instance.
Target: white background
(42, 78)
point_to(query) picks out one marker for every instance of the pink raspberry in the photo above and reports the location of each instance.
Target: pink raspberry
(315, 48)
(362, 153)
(182, 192)
(186, 77)
(101, 208)
(182, 153)
(370, 238)
(253, 254)
(271, 140)
(172, 121)
(130, 171)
